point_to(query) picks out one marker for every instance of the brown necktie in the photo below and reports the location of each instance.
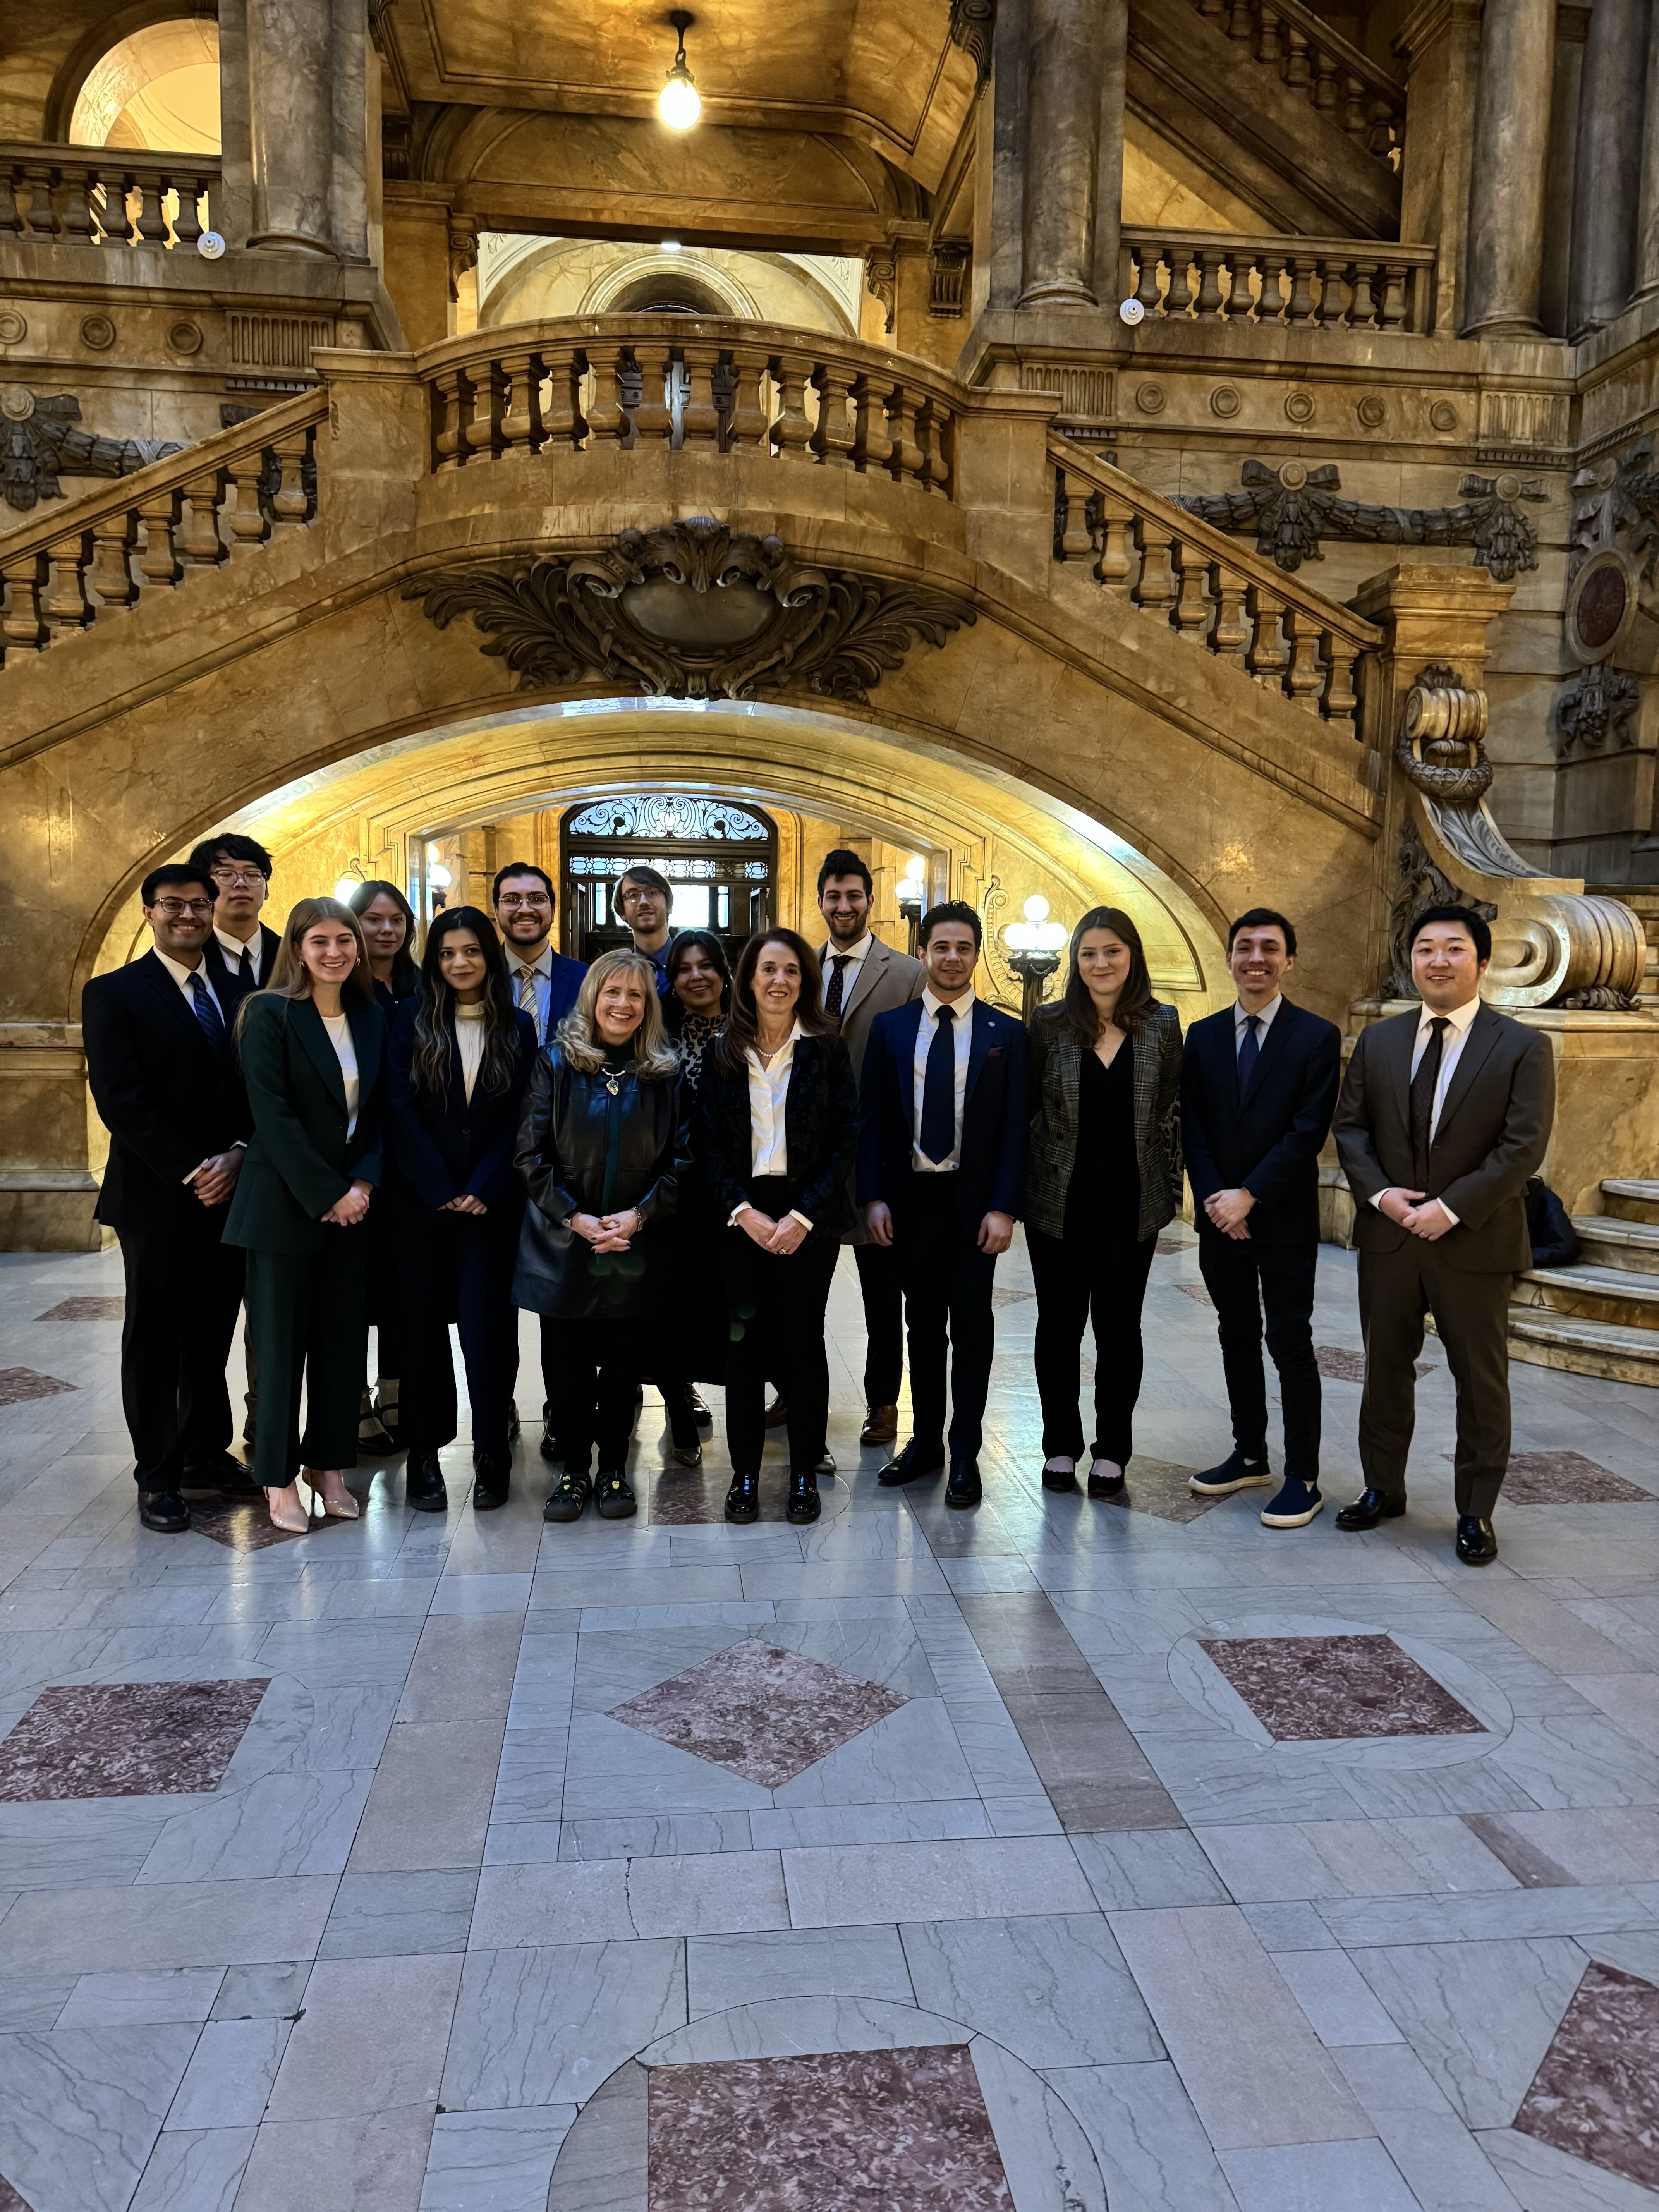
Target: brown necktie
(1423, 1090)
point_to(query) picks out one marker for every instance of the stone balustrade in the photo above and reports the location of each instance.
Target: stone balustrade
(1241, 609)
(628, 381)
(213, 502)
(1317, 61)
(105, 194)
(1320, 283)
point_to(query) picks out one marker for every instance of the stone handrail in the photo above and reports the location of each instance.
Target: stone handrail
(1321, 283)
(210, 503)
(1312, 58)
(1292, 640)
(105, 194)
(582, 382)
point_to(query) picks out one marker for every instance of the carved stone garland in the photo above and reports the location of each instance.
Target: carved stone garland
(1292, 507)
(692, 612)
(38, 442)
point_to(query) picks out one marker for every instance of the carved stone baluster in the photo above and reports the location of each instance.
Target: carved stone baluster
(653, 418)
(1326, 310)
(20, 604)
(1241, 23)
(158, 563)
(1307, 677)
(1297, 70)
(1363, 302)
(152, 223)
(447, 442)
(1271, 306)
(607, 418)
(1269, 47)
(66, 604)
(245, 514)
(1231, 633)
(1354, 121)
(1156, 588)
(1192, 608)
(200, 545)
(1116, 521)
(1269, 657)
(700, 419)
(562, 420)
(111, 574)
(39, 214)
(1300, 306)
(481, 424)
(1325, 93)
(1208, 262)
(749, 409)
(832, 437)
(907, 449)
(1183, 291)
(1075, 540)
(869, 423)
(78, 214)
(1241, 300)
(1212, 10)
(521, 402)
(791, 433)
(1391, 312)
(1338, 699)
(289, 503)
(11, 222)
(936, 434)
(1152, 252)
(187, 217)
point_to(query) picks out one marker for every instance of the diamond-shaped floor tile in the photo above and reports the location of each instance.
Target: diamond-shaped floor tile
(84, 1309)
(18, 1383)
(126, 1740)
(761, 1713)
(9, 2199)
(1566, 1478)
(1339, 1364)
(1310, 1689)
(1597, 2095)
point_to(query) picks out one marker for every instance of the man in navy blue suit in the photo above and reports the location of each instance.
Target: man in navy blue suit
(943, 1127)
(1258, 1089)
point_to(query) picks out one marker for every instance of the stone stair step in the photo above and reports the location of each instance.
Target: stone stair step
(1628, 1199)
(1590, 1293)
(1604, 1349)
(1611, 1242)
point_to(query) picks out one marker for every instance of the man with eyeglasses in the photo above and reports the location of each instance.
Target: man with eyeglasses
(241, 951)
(642, 901)
(165, 1081)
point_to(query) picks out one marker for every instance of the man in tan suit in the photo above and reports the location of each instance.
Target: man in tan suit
(1444, 1113)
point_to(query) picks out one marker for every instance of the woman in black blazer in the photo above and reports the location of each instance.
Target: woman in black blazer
(460, 1057)
(693, 1350)
(313, 1053)
(1102, 1177)
(387, 921)
(777, 1127)
(602, 1144)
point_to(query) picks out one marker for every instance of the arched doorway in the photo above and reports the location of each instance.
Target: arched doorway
(720, 858)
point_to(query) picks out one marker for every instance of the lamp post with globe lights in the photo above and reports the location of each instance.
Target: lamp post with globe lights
(1034, 948)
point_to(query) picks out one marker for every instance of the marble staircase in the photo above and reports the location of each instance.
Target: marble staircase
(1599, 1316)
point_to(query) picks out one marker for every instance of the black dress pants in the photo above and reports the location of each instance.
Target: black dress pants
(386, 1289)
(1471, 1312)
(946, 1280)
(1080, 1279)
(1247, 1280)
(595, 1373)
(775, 1308)
(882, 1291)
(308, 1312)
(458, 1267)
(184, 1290)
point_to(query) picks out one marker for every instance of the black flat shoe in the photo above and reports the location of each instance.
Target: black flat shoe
(614, 1498)
(551, 1447)
(963, 1488)
(1058, 1478)
(1476, 1544)
(804, 1504)
(826, 1467)
(1368, 1509)
(1234, 1472)
(569, 1498)
(1105, 1486)
(164, 1511)
(743, 1498)
(700, 1412)
(911, 1465)
(423, 1483)
(687, 1454)
(492, 1476)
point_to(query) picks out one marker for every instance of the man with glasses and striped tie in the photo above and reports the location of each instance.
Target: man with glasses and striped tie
(164, 1078)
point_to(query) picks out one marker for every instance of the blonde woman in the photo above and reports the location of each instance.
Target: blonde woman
(602, 1147)
(312, 1045)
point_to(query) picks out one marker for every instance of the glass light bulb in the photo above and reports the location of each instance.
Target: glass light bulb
(346, 887)
(915, 869)
(439, 877)
(1035, 909)
(678, 103)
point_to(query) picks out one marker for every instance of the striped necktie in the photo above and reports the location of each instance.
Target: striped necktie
(527, 996)
(205, 1008)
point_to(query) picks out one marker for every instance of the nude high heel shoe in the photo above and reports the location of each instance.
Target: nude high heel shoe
(345, 1508)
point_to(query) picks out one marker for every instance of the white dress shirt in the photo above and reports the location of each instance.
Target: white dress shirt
(768, 1090)
(1263, 1014)
(185, 978)
(339, 1035)
(540, 972)
(963, 1036)
(469, 1043)
(854, 954)
(234, 947)
(1451, 1049)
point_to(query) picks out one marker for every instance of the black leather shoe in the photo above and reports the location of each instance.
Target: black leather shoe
(492, 1475)
(963, 1488)
(613, 1496)
(164, 1510)
(423, 1483)
(223, 1473)
(569, 1496)
(743, 1498)
(1368, 1509)
(911, 1464)
(551, 1447)
(1476, 1544)
(700, 1412)
(804, 1504)
(826, 1467)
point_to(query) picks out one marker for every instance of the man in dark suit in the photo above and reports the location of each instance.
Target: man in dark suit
(643, 900)
(164, 1080)
(1444, 1113)
(862, 978)
(942, 1128)
(1258, 1088)
(241, 951)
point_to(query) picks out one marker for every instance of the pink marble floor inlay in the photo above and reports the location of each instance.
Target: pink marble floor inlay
(838, 2131)
(1597, 2095)
(126, 1740)
(764, 1714)
(83, 1309)
(18, 1384)
(1336, 1362)
(9, 2199)
(1157, 1486)
(1309, 1689)
(1566, 1478)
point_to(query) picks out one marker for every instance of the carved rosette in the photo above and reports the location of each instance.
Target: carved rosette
(691, 611)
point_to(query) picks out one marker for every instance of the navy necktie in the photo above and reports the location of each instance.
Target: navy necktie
(205, 1008)
(937, 1139)
(841, 961)
(1249, 1052)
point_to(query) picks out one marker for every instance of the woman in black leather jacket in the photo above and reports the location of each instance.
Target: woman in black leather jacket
(601, 1148)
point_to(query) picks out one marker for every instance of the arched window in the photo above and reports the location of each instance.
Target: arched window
(158, 87)
(720, 858)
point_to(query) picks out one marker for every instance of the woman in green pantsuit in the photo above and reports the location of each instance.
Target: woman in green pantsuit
(313, 1053)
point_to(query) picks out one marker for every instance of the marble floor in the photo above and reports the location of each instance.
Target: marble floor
(1050, 1857)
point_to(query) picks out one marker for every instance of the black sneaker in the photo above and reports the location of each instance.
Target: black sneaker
(569, 1498)
(1296, 1504)
(1234, 1472)
(614, 1498)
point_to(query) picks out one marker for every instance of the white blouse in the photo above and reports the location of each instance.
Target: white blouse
(769, 1088)
(339, 1035)
(470, 1041)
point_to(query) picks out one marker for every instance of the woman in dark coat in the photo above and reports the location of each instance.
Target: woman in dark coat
(312, 1045)
(460, 1058)
(777, 1125)
(602, 1144)
(387, 921)
(1102, 1177)
(693, 1350)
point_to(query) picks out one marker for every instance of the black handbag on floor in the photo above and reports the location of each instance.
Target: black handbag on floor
(1554, 1240)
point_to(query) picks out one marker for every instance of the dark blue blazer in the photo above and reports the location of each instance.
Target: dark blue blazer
(1266, 1142)
(445, 1148)
(567, 984)
(995, 1120)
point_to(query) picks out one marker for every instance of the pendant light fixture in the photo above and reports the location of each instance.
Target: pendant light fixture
(678, 103)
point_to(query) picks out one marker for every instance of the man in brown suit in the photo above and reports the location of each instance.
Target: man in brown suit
(1445, 1113)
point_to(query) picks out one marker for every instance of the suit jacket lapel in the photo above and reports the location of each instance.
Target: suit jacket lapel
(984, 1029)
(366, 1035)
(1226, 1041)
(1268, 1044)
(1481, 1036)
(904, 1067)
(862, 980)
(307, 1025)
(171, 1004)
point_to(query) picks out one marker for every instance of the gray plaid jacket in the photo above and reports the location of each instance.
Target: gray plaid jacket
(1056, 1070)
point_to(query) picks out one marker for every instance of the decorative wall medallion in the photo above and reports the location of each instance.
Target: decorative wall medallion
(1601, 605)
(1150, 398)
(1224, 402)
(16, 403)
(1299, 406)
(38, 442)
(1443, 416)
(691, 611)
(1292, 507)
(185, 338)
(1371, 411)
(13, 327)
(97, 332)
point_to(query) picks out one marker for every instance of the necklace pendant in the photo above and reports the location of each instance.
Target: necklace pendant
(612, 1082)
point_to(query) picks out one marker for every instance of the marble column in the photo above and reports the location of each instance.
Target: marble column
(1609, 166)
(1647, 212)
(1510, 174)
(290, 51)
(1061, 153)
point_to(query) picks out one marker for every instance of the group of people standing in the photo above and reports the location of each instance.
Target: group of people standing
(661, 1157)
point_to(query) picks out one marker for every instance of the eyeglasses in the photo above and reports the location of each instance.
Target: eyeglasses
(515, 899)
(174, 907)
(228, 877)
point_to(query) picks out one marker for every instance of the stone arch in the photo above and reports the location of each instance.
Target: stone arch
(156, 83)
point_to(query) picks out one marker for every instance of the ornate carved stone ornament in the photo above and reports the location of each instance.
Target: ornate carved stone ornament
(463, 248)
(691, 611)
(39, 443)
(881, 280)
(1598, 714)
(1616, 500)
(1419, 883)
(1292, 507)
(947, 279)
(973, 28)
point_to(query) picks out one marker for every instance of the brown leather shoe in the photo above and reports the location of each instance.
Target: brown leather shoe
(777, 1413)
(880, 1426)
